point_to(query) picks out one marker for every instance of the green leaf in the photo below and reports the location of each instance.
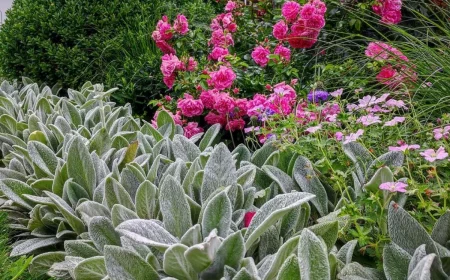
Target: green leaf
(15, 190)
(201, 255)
(31, 245)
(290, 269)
(70, 113)
(165, 118)
(395, 262)
(102, 232)
(130, 154)
(217, 215)
(120, 214)
(174, 207)
(91, 269)
(328, 231)
(80, 248)
(209, 137)
(176, 265)
(42, 263)
(43, 157)
(220, 171)
(80, 166)
(147, 200)
(185, 149)
(313, 257)
(382, 175)
(123, 264)
(441, 229)
(345, 253)
(100, 142)
(282, 179)
(423, 269)
(261, 155)
(271, 212)
(288, 248)
(68, 213)
(115, 193)
(308, 181)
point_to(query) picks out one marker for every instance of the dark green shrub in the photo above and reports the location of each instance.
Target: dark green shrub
(69, 41)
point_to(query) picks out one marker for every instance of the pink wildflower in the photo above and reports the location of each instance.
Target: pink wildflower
(440, 133)
(313, 129)
(290, 10)
(394, 121)
(432, 155)
(337, 93)
(353, 136)
(283, 52)
(369, 119)
(404, 147)
(231, 5)
(394, 186)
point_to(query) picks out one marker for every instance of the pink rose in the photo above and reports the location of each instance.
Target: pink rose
(283, 52)
(222, 78)
(165, 30)
(192, 129)
(233, 125)
(169, 81)
(280, 30)
(189, 106)
(307, 11)
(218, 53)
(192, 64)
(261, 56)
(212, 118)
(224, 103)
(181, 24)
(165, 47)
(230, 6)
(290, 10)
(208, 98)
(169, 64)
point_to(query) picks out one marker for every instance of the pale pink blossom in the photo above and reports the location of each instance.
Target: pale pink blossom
(394, 121)
(395, 103)
(394, 186)
(339, 136)
(353, 136)
(283, 52)
(432, 155)
(369, 120)
(337, 93)
(440, 133)
(218, 53)
(231, 5)
(313, 129)
(404, 148)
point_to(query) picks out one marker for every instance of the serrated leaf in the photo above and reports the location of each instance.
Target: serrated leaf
(271, 212)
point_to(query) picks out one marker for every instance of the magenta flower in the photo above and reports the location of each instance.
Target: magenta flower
(404, 147)
(432, 155)
(261, 56)
(394, 187)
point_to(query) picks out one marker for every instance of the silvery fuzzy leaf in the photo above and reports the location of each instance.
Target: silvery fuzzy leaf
(129, 155)
(273, 159)
(43, 157)
(290, 269)
(260, 156)
(395, 262)
(360, 156)
(217, 215)
(62, 125)
(147, 232)
(418, 255)
(131, 178)
(195, 209)
(289, 223)
(229, 273)
(91, 269)
(382, 175)
(196, 185)
(441, 229)
(244, 274)
(123, 264)
(308, 181)
(243, 154)
(89, 209)
(271, 212)
(42, 263)
(202, 255)
(102, 232)
(249, 197)
(68, 213)
(140, 249)
(328, 231)
(355, 271)
(100, 142)
(101, 168)
(192, 236)
(164, 118)
(392, 158)
(209, 137)
(177, 170)
(144, 145)
(147, 200)
(31, 245)
(230, 253)
(283, 180)
(73, 192)
(250, 266)
(176, 265)
(236, 195)
(65, 269)
(80, 248)
(15, 190)
(153, 172)
(406, 232)
(422, 271)
(11, 174)
(220, 171)
(185, 149)
(80, 166)
(345, 253)
(238, 216)
(246, 175)
(269, 242)
(16, 165)
(120, 214)
(262, 180)
(190, 175)
(174, 207)
(115, 193)
(194, 139)
(313, 257)
(288, 248)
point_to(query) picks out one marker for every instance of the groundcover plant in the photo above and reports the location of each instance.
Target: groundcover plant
(93, 193)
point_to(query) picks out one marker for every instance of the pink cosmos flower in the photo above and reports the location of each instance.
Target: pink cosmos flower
(353, 136)
(314, 129)
(394, 121)
(369, 119)
(404, 147)
(394, 186)
(261, 56)
(248, 217)
(337, 93)
(440, 133)
(230, 6)
(222, 78)
(181, 24)
(189, 106)
(283, 52)
(432, 155)
(192, 129)
(290, 10)
(280, 30)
